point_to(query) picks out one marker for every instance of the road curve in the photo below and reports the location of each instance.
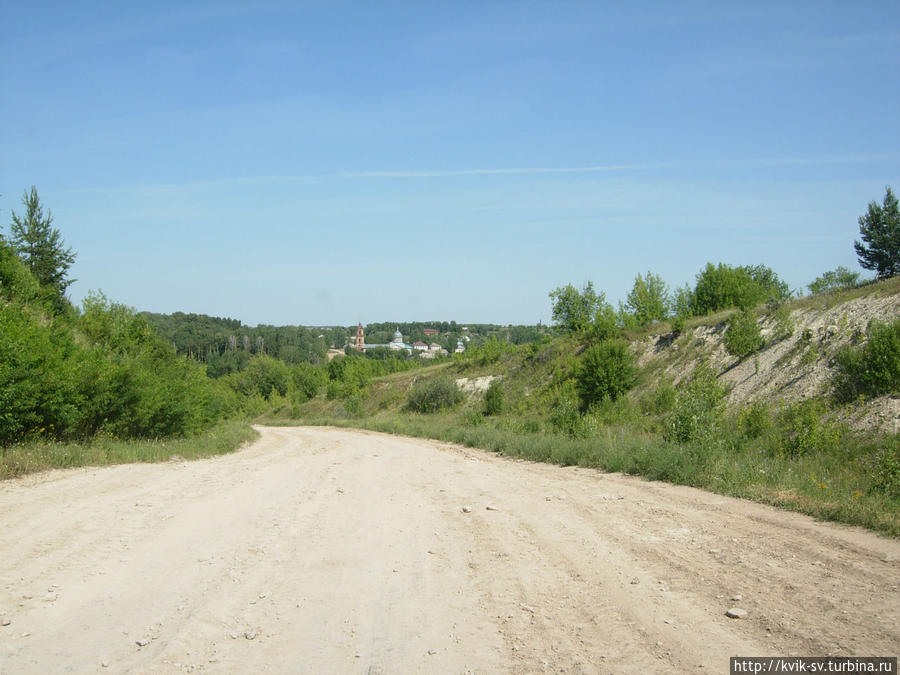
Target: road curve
(333, 551)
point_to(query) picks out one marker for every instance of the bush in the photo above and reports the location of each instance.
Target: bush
(434, 394)
(607, 370)
(803, 429)
(660, 400)
(493, 398)
(488, 352)
(566, 418)
(698, 411)
(353, 404)
(722, 287)
(836, 279)
(755, 421)
(530, 427)
(105, 370)
(268, 376)
(38, 381)
(872, 369)
(886, 476)
(784, 324)
(473, 418)
(307, 380)
(743, 337)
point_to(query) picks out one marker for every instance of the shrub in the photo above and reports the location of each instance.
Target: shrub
(722, 286)
(756, 420)
(698, 411)
(566, 418)
(743, 337)
(803, 429)
(488, 352)
(605, 324)
(38, 385)
(872, 369)
(493, 398)
(660, 400)
(434, 394)
(353, 404)
(530, 427)
(886, 476)
(333, 390)
(352, 371)
(473, 418)
(307, 380)
(839, 278)
(784, 324)
(268, 376)
(607, 370)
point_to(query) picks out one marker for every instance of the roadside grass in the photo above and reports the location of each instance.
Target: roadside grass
(18, 460)
(794, 456)
(838, 485)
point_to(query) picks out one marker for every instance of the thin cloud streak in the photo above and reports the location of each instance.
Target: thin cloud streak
(649, 166)
(759, 163)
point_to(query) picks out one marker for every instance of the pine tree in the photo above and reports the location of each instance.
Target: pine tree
(880, 233)
(40, 246)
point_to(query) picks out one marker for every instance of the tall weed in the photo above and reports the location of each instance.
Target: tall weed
(698, 411)
(872, 369)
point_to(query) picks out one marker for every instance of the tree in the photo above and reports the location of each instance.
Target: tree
(41, 248)
(681, 301)
(879, 229)
(649, 299)
(838, 278)
(584, 311)
(573, 311)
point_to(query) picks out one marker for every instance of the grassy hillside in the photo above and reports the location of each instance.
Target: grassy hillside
(768, 426)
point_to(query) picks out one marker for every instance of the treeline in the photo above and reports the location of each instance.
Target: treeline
(607, 370)
(717, 287)
(226, 346)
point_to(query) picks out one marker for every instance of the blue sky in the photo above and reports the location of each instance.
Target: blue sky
(332, 162)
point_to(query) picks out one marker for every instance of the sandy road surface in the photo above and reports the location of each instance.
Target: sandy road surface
(332, 551)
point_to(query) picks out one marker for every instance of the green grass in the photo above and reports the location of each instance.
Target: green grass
(880, 288)
(18, 460)
(837, 484)
(797, 457)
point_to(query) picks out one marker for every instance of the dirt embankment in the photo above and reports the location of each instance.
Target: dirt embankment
(796, 363)
(333, 551)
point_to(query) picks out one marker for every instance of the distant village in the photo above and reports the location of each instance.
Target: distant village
(419, 348)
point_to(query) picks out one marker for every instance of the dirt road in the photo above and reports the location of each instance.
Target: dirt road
(332, 551)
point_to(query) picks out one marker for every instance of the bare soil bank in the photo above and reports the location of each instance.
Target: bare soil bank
(335, 551)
